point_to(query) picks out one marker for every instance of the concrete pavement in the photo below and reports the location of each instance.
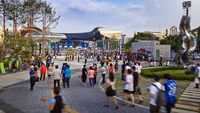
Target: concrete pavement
(18, 98)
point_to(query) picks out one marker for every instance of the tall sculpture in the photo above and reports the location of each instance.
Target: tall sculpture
(189, 41)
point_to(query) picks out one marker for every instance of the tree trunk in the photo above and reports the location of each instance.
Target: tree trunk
(4, 27)
(43, 35)
(15, 20)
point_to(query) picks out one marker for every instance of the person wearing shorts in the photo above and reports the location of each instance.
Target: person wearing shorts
(129, 88)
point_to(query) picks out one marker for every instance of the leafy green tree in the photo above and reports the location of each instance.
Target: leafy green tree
(49, 18)
(140, 36)
(174, 41)
(15, 14)
(31, 12)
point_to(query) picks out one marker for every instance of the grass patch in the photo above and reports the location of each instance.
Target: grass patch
(177, 73)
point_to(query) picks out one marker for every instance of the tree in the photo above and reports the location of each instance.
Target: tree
(175, 42)
(140, 36)
(15, 14)
(31, 13)
(48, 18)
(3, 9)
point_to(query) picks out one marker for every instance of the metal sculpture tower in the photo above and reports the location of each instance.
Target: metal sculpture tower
(189, 41)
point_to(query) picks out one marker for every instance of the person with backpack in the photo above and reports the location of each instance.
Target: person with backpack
(154, 90)
(170, 92)
(55, 104)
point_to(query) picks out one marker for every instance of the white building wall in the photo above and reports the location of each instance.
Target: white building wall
(165, 51)
(152, 46)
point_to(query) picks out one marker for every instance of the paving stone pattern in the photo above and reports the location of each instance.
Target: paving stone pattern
(83, 99)
(189, 102)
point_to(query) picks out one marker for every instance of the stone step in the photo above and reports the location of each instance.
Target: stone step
(191, 96)
(188, 103)
(187, 107)
(176, 110)
(189, 99)
(192, 92)
(188, 89)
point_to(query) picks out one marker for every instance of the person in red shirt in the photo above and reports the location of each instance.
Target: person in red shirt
(43, 71)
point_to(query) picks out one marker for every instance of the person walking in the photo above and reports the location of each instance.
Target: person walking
(111, 69)
(84, 75)
(138, 68)
(43, 71)
(103, 72)
(33, 78)
(95, 73)
(153, 91)
(64, 67)
(91, 76)
(67, 76)
(137, 89)
(49, 73)
(111, 91)
(55, 104)
(123, 70)
(116, 66)
(129, 87)
(197, 78)
(170, 92)
(57, 76)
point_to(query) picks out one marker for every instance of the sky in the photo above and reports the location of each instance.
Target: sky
(128, 16)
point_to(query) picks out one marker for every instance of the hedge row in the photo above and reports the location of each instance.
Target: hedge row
(160, 71)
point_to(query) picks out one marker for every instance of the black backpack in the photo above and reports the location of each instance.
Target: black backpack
(161, 100)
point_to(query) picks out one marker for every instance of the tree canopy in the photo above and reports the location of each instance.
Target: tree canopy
(140, 36)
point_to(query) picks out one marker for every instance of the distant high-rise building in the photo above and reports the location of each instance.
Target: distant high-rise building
(173, 30)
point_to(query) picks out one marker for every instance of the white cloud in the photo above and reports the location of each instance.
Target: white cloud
(153, 15)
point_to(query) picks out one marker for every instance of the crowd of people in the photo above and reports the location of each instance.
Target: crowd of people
(130, 76)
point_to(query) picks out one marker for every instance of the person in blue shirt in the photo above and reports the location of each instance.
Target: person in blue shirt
(64, 67)
(67, 75)
(170, 92)
(33, 78)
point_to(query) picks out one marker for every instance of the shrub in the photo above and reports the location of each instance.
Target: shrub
(177, 73)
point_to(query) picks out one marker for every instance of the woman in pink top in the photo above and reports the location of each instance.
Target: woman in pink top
(91, 76)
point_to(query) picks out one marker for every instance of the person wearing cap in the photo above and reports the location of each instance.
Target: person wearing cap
(33, 78)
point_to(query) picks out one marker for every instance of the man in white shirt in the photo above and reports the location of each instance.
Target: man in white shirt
(138, 68)
(129, 87)
(57, 76)
(153, 90)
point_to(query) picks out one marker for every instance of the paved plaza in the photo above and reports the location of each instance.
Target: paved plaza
(19, 99)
